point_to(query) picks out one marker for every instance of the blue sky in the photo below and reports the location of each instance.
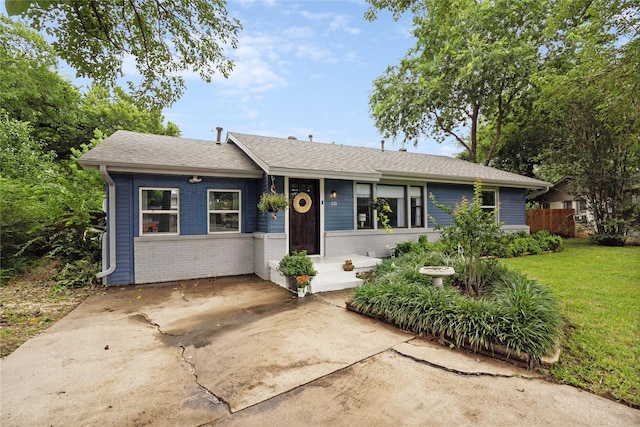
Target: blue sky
(301, 67)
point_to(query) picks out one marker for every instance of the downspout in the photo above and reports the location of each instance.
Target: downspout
(111, 227)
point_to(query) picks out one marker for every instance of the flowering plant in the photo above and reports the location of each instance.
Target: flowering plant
(303, 280)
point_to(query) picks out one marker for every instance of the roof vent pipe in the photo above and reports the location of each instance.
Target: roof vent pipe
(292, 137)
(382, 144)
(219, 137)
(310, 138)
(403, 149)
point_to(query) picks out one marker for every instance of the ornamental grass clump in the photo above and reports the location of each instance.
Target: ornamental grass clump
(514, 311)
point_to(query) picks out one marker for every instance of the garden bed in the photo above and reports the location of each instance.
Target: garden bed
(513, 318)
(496, 351)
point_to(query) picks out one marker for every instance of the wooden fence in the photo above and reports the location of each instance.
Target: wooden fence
(556, 221)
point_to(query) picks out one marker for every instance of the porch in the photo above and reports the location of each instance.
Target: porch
(331, 275)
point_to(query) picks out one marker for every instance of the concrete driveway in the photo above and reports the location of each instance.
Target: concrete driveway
(242, 351)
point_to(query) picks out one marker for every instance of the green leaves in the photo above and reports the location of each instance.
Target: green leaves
(469, 63)
(518, 313)
(16, 7)
(166, 40)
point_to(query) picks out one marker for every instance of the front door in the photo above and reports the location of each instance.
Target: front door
(304, 215)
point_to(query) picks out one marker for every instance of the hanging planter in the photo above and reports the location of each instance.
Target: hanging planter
(273, 202)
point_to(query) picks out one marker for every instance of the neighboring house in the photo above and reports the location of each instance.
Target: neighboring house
(181, 208)
(562, 196)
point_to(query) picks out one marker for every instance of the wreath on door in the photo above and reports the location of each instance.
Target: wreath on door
(302, 203)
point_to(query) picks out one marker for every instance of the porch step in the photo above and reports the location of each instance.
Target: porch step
(331, 276)
(334, 281)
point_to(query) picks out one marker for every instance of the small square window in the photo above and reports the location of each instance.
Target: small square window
(159, 210)
(224, 211)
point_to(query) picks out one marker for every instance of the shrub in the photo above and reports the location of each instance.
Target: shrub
(77, 274)
(296, 264)
(475, 232)
(608, 239)
(514, 311)
(507, 245)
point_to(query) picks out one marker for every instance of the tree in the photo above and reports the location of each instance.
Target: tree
(597, 107)
(471, 61)
(166, 38)
(112, 110)
(32, 90)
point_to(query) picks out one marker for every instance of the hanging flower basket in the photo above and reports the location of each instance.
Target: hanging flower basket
(273, 202)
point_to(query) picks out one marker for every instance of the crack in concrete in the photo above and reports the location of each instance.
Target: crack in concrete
(216, 399)
(299, 386)
(451, 370)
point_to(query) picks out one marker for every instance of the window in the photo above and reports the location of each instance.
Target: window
(583, 206)
(363, 206)
(417, 206)
(396, 197)
(489, 201)
(159, 210)
(567, 204)
(224, 211)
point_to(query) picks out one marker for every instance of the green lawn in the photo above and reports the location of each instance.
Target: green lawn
(599, 289)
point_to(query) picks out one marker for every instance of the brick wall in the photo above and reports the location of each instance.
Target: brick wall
(267, 247)
(360, 242)
(167, 258)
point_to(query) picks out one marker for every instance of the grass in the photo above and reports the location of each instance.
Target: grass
(599, 289)
(32, 303)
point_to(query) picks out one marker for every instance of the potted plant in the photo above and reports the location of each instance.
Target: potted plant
(302, 283)
(273, 202)
(297, 264)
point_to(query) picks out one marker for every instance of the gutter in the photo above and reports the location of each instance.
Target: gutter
(111, 227)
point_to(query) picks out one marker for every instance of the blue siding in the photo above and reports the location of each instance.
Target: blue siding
(512, 203)
(193, 200)
(124, 272)
(448, 195)
(338, 212)
(512, 206)
(193, 211)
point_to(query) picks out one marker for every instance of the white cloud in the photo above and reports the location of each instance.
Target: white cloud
(247, 4)
(315, 16)
(298, 32)
(337, 23)
(351, 56)
(341, 23)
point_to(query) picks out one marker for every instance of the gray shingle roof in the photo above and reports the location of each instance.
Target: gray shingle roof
(131, 151)
(279, 156)
(250, 155)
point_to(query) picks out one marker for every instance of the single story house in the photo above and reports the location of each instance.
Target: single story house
(562, 196)
(181, 208)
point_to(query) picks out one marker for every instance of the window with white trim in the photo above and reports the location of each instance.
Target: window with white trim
(397, 199)
(364, 210)
(224, 211)
(159, 211)
(417, 206)
(489, 201)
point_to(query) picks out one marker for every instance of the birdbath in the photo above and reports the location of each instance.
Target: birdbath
(437, 273)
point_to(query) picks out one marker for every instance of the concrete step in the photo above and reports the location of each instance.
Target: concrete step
(333, 264)
(334, 281)
(331, 275)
